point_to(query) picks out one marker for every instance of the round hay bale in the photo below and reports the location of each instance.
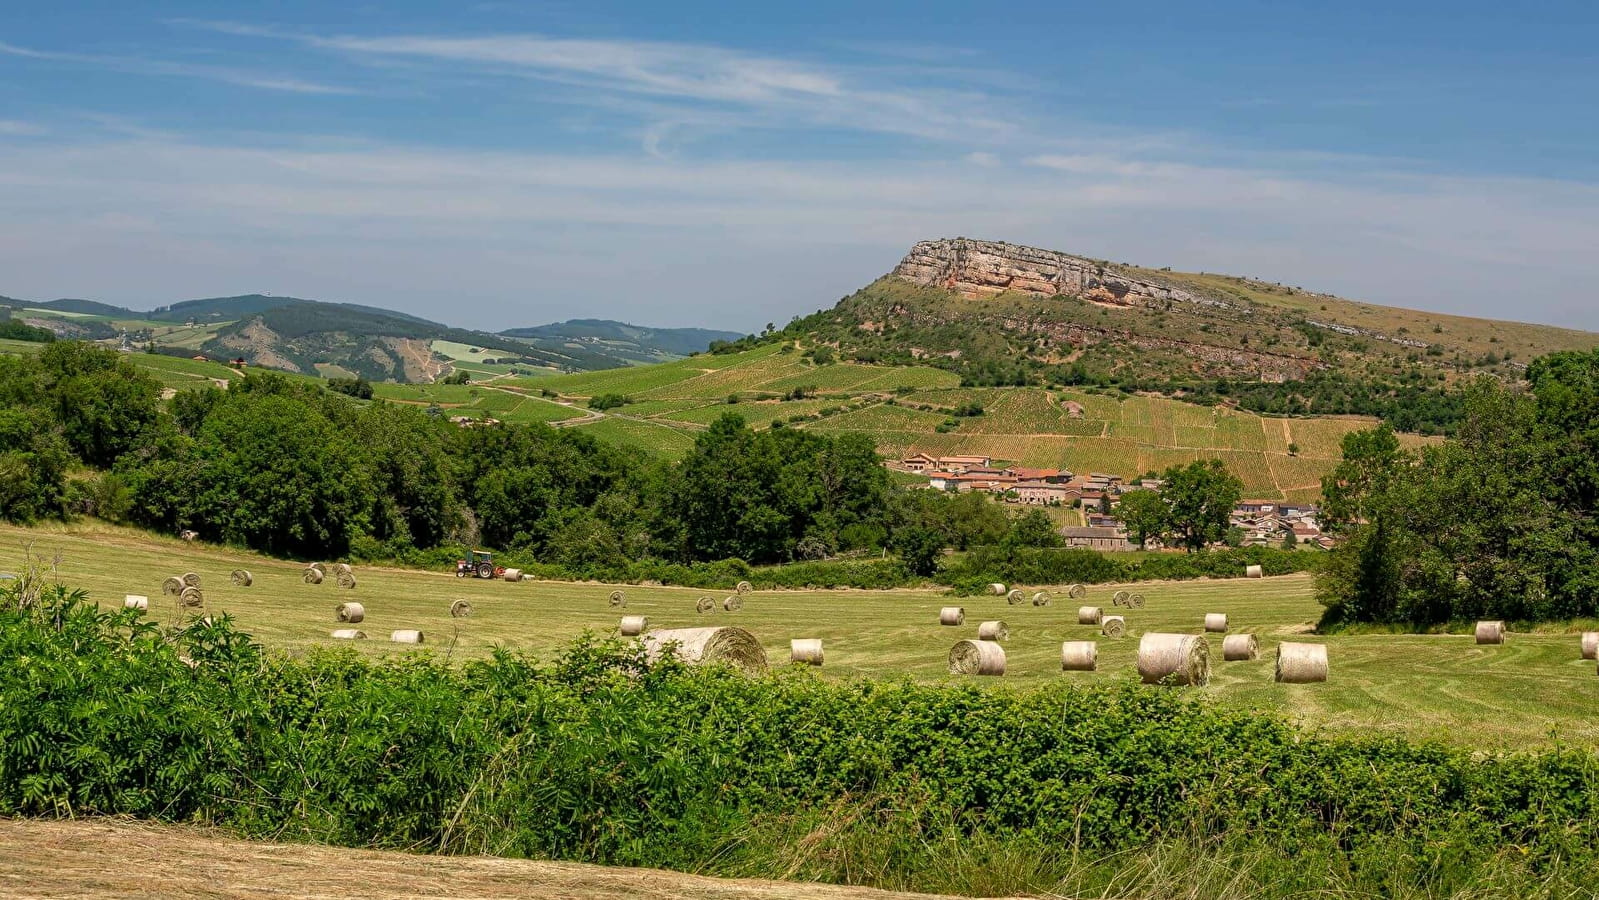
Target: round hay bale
(952, 615)
(1015, 597)
(1113, 626)
(618, 599)
(1136, 601)
(343, 569)
(1301, 663)
(725, 644)
(704, 605)
(135, 601)
(460, 609)
(744, 587)
(190, 579)
(976, 658)
(1590, 645)
(350, 612)
(997, 589)
(1174, 659)
(407, 637)
(348, 634)
(1254, 572)
(733, 603)
(173, 586)
(319, 567)
(1216, 622)
(992, 631)
(312, 575)
(1491, 632)
(1077, 592)
(191, 598)
(1119, 598)
(1041, 598)
(346, 581)
(513, 574)
(241, 578)
(1089, 615)
(633, 626)
(1240, 647)
(805, 650)
(1079, 656)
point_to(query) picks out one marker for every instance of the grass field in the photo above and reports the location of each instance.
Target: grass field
(1533, 690)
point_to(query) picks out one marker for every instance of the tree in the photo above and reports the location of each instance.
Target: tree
(1033, 528)
(102, 402)
(1200, 497)
(919, 547)
(1290, 540)
(1146, 515)
(1372, 462)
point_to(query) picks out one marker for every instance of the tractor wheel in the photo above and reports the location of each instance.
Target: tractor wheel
(485, 570)
(460, 572)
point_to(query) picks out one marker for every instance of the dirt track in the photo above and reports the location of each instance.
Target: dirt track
(115, 859)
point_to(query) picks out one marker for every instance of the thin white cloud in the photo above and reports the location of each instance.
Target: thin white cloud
(140, 66)
(17, 128)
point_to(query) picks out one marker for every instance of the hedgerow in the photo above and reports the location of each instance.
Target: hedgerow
(597, 756)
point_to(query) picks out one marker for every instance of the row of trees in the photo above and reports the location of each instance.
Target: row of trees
(1499, 522)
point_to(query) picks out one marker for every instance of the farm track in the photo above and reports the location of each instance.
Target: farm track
(137, 861)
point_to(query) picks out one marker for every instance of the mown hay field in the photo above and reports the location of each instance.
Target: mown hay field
(1534, 689)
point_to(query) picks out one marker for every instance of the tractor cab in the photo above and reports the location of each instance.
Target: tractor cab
(480, 564)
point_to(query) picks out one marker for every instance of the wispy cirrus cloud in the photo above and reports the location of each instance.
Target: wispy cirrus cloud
(18, 128)
(143, 66)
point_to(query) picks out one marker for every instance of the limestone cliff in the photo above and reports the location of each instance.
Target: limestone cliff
(974, 268)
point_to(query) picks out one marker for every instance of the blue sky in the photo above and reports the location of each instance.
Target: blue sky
(497, 164)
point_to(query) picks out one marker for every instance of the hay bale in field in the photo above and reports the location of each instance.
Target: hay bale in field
(704, 605)
(1079, 656)
(513, 574)
(1491, 632)
(241, 578)
(1089, 615)
(1240, 647)
(1113, 626)
(346, 581)
(191, 598)
(460, 609)
(618, 599)
(1119, 598)
(350, 612)
(997, 589)
(135, 601)
(1041, 598)
(1014, 597)
(697, 646)
(976, 658)
(1301, 663)
(407, 637)
(312, 575)
(733, 603)
(1136, 601)
(1174, 659)
(343, 569)
(1254, 572)
(744, 587)
(172, 586)
(319, 567)
(1590, 645)
(348, 634)
(952, 615)
(190, 579)
(1216, 622)
(992, 631)
(805, 650)
(1077, 592)
(633, 626)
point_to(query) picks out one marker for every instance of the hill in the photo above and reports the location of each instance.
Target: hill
(647, 344)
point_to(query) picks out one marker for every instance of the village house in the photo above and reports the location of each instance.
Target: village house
(1110, 540)
(1045, 492)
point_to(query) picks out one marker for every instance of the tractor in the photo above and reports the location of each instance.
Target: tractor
(481, 564)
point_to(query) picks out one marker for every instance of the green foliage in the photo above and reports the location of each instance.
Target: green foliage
(1033, 528)
(1199, 499)
(102, 403)
(356, 387)
(1146, 515)
(107, 719)
(608, 401)
(919, 547)
(458, 376)
(17, 330)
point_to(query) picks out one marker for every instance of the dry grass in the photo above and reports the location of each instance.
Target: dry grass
(116, 859)
(1530, 691)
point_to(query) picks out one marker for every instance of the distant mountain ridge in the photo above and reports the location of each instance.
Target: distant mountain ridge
(675, 341)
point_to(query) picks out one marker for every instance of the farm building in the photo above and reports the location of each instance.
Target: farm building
(1112, 540)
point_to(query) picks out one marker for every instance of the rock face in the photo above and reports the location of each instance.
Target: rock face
(974, 268)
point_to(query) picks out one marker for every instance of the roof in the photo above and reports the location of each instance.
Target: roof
(1079, 531)
(982, 460)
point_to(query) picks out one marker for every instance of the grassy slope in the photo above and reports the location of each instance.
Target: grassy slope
(1530, 691)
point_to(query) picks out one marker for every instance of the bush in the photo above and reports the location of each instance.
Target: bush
(552, 760)
(608, 401)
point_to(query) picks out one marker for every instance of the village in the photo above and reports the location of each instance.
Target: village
(1097, 495)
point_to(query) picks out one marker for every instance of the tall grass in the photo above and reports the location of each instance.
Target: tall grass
(1118, 791)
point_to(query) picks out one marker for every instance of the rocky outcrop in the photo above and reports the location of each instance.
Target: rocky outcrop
(974, 268)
